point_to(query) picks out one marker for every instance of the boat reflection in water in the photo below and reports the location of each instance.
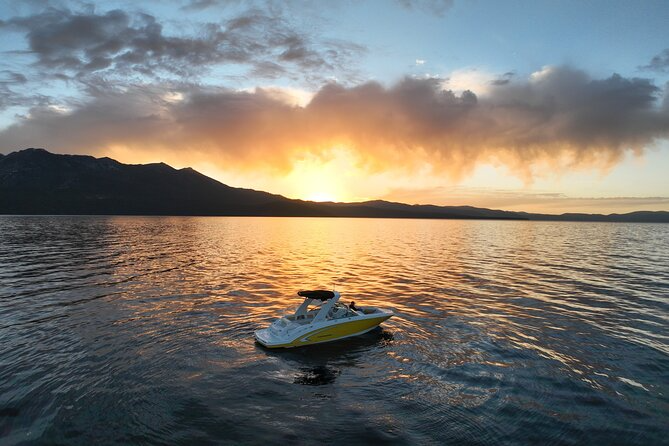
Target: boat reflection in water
(317, 376)
(327, 320)
(322, 364)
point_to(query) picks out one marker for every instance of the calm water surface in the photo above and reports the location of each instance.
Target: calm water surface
(139, 330)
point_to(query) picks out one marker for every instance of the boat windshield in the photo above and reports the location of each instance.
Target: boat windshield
(340, 311)
(313, 308)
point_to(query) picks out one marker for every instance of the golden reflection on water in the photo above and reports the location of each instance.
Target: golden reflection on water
(489, 314)
(505, 278)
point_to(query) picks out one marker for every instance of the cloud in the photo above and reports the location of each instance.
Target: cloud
(559, 118)
(12, 77)
(471, 79)
(119, 43)
(503, 79)
(197, 5)
(436, 7)
(659, 63)
(10, 81)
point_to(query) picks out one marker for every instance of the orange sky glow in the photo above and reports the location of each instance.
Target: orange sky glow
(257, 100)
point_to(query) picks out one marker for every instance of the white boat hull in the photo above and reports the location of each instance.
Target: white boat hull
(326, 331)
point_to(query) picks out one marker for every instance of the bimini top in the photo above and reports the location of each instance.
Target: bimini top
(317, 294)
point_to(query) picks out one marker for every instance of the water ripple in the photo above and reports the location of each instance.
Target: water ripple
(139, 330)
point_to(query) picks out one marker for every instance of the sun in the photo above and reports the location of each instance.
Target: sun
(331, 175)
(321, 196)
(317, 178)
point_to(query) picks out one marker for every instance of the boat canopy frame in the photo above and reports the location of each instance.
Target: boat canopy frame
(328, 300)
(317, 294)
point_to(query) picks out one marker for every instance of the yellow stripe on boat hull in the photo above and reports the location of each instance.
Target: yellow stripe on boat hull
(334, 332)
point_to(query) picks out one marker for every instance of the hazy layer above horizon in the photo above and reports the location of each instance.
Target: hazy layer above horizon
(37, 182)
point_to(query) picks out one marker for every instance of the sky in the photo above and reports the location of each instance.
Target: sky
(539, 106)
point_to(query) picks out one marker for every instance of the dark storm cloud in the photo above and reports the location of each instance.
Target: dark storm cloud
(559, 117)
(116, 42)
(659, 63)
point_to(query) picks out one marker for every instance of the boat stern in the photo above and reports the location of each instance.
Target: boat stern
(262, 336)
(265, 338)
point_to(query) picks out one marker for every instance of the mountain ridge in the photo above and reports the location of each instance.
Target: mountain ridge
(36, 181)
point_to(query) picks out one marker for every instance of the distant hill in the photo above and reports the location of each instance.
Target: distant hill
(34, 181)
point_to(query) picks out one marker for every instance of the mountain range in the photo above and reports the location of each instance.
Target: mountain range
(35, 181)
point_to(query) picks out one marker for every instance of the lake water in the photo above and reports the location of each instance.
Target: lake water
(139, 330)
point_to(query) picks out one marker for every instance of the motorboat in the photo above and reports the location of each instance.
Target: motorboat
(320, 318)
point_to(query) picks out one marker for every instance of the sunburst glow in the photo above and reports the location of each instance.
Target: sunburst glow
(322, 178)
(322, 196)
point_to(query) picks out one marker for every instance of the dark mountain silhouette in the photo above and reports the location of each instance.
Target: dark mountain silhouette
(34, 181)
